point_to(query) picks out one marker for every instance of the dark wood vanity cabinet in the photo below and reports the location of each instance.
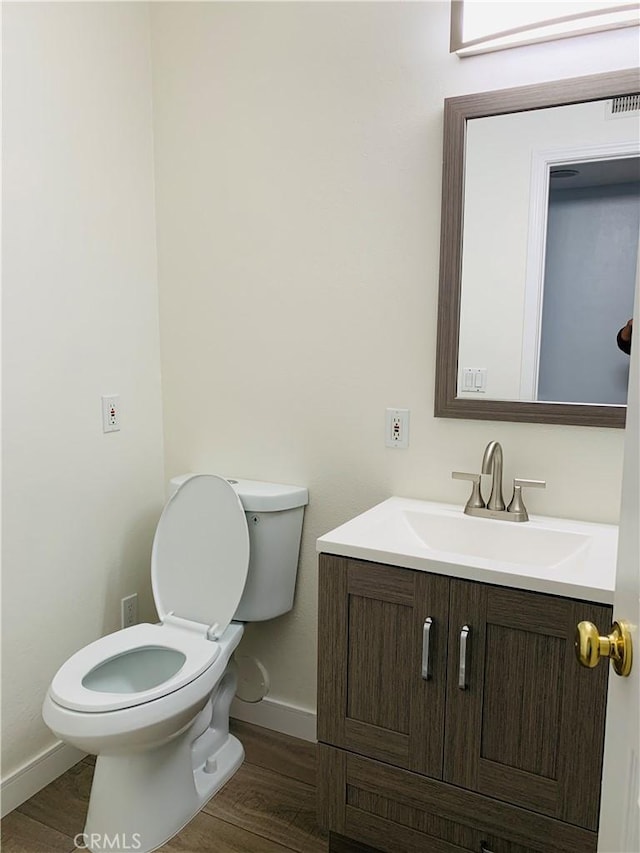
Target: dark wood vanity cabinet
(417, 755)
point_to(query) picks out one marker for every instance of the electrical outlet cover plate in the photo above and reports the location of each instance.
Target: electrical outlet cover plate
(397, 428)
(129, 610)
(110, 413)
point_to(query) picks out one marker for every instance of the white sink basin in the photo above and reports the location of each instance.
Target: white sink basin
(559, 556)
(511, 542)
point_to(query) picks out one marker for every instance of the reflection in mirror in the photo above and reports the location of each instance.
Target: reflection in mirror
(541, 217)
(551, 218)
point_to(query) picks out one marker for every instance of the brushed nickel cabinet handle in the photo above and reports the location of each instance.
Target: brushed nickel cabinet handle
(426, 662)
(484, 848)
(464, 649)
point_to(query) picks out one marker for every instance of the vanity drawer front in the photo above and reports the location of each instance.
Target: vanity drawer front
(341, 844)
(395, 811)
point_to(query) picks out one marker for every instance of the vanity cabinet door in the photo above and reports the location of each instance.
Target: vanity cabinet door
(378, 694)
(526, 725)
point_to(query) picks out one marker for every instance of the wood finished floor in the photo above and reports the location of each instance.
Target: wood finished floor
(268, 806)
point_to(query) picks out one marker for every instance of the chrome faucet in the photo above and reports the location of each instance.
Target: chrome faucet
(495, 506)
(492, 464)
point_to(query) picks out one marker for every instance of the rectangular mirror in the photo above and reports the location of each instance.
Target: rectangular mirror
(539, 246)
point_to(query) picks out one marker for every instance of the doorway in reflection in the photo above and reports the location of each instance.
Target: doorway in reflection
(590, 268)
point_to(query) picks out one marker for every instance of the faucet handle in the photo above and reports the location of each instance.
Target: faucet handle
(475, 500)
(517, 506)
(532, 484)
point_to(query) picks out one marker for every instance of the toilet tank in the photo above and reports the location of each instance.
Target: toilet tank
(274, 513)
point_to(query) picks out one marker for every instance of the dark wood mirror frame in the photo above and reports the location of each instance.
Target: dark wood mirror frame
(456, 113)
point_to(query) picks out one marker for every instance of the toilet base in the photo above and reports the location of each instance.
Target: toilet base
(141, 800)
(130, 819)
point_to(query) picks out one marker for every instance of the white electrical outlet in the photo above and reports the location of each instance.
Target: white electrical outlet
(129, 610)
(110, 413)
(397, 428)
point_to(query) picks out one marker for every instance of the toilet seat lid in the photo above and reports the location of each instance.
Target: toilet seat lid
(200, 554)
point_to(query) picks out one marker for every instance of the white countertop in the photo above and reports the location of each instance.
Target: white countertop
(574, 559)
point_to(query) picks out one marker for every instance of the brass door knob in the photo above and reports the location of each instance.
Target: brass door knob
(591, 647)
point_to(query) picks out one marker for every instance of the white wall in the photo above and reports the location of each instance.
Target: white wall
(298, 168)
(498, 228)
(80, 320)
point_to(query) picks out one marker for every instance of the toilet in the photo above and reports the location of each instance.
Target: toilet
(152, 701)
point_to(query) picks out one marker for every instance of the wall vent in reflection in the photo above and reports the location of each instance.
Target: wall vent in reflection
(623, 107)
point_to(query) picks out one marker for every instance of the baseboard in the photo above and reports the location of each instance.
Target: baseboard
(277, 716)
(32, 777)
(23, 783)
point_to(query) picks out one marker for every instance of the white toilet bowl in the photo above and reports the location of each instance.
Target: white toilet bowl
(100, 721)
(161, 757)
(152, 701)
